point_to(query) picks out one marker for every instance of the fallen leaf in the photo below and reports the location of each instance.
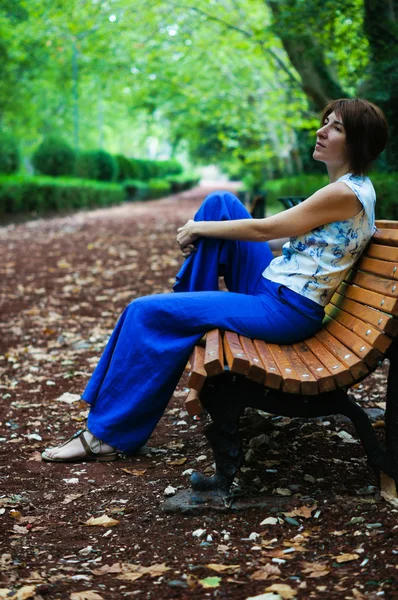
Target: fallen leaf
(27, 591)
(269, 596)
(136, 472)
(132, 572)
(68, 398)
(285, 591)
(70, 498)
(36, 457)
(20, 530)
(103, 521)
(178, 461)
(264, 572)
(314, 569)
(282, 491)
(210, 582)
(86, 595)
(302, 511)
(223, 568)
(346, 557)
(105, 569)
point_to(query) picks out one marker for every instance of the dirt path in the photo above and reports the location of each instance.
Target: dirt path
(63, 284)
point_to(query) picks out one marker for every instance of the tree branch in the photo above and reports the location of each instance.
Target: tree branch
(247, 34)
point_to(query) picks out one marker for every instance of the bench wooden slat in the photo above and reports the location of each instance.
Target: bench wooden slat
(309, 385)
(378, 301)
(256, 370)
(345, 355)
(324, 378)
(341, 373)
(387, 287)
(291, 380)
(234, 353)
(193, 405)
(369, 334)
(388, 237)
(214, 355)
(273, 377)
(383, 322)
(362, 349)
(378, 267)
(387, 253)
(386, 224)
(197, 375)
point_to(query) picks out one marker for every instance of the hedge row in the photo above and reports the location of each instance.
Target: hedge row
(386, 186)
(55, 157)
(23, 194)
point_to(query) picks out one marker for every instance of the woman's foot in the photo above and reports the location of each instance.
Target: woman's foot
(82, 446)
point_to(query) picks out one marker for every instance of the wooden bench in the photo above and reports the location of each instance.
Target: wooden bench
(309, 378)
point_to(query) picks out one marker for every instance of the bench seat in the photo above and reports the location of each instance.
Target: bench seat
(359, 330)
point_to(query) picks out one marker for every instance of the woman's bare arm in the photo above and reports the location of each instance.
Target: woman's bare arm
(335, 202)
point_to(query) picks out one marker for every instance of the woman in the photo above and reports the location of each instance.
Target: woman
(279, 300)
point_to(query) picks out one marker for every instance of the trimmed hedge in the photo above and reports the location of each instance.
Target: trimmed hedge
(54, 157)
(386, 186)
(179, 183)
(10, 158)
(146, 190)
(96, 164)
(20, 194)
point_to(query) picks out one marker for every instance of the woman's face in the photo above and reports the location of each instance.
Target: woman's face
(330, 145)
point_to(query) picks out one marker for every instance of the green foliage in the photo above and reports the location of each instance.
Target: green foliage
(20, 194)
(146, 190)
(106, 166)
(182, 182)
(304, 185)
(9, 154)
(168, 167)
(86, 166)
(54, 157)
(96, 164)
(124, 167)
(386, 193)
(158, 188)
(135, 189)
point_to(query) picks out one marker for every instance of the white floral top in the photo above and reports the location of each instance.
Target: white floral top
(313, 264)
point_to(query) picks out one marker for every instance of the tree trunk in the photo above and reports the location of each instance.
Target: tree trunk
(381, 28)
(306, 56)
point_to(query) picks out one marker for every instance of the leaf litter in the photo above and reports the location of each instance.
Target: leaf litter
(58, 315)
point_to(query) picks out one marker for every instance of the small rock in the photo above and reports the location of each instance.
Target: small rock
(374, 525)
(86, 551)
(292, 521)
(198, 533)
(270, 521)
(169, 491)
(202, 457)
(187, 472)
(177, 583)
(356, 520)
(259, 441)
(309, 478)
(254, 536)
(209, 538)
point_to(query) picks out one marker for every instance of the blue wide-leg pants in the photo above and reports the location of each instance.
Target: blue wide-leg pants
(154, 337)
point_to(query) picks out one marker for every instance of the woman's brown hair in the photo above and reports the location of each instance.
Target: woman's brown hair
(366, 130)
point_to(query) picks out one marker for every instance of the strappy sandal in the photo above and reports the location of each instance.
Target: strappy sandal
(91, 454)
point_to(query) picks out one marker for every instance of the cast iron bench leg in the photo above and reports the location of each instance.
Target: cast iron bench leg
(222, 398)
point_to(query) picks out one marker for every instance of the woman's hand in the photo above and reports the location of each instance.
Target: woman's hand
(186, 235)
(188, 250)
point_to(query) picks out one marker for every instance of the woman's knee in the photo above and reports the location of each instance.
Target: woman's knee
(218, 205)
